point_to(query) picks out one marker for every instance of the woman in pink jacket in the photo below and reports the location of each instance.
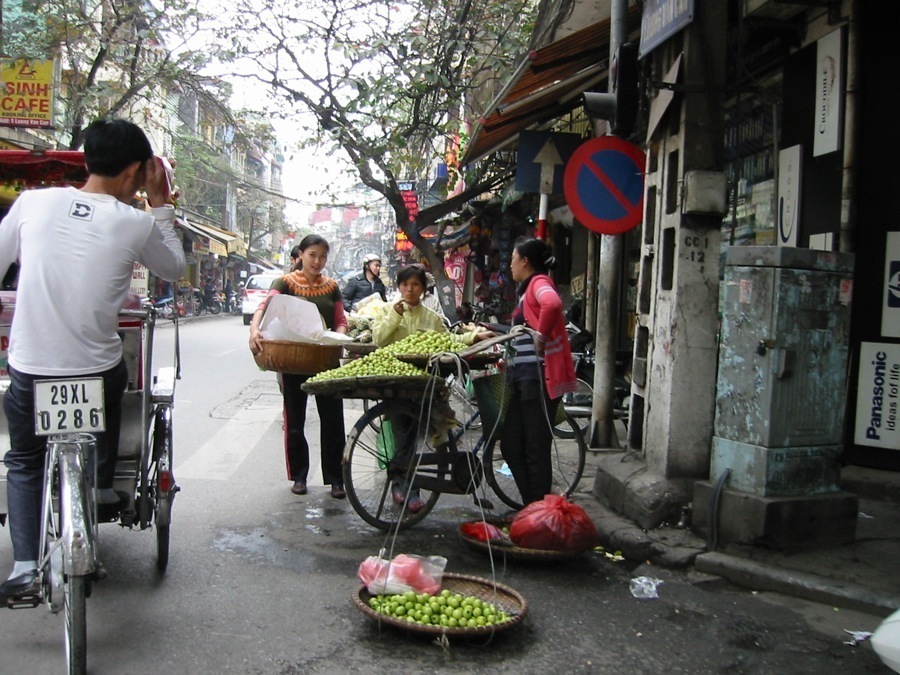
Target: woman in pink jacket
(542, 371)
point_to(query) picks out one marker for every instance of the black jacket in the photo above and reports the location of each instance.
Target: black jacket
(359, 287)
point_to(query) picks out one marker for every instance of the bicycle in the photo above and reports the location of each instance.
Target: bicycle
(441, 463)
(69, 412)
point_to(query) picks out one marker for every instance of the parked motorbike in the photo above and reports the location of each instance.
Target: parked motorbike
(234, 304)
(167, 307)
(214, 304)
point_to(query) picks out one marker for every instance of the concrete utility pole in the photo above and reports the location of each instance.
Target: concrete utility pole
(602, 430)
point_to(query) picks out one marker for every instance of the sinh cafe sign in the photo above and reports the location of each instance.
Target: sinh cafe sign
(878, 396)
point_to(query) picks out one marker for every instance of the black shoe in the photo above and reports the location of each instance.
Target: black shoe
(337, 491)
(24, 584)
(299, 487)
(107, 513)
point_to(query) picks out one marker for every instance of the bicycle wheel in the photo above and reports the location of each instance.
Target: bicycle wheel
(162, 484)
(577, 404)
(567, 454)
(76, 624)
(370, 447)
(463, 405)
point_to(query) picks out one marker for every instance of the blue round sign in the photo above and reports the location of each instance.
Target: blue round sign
(604, 185)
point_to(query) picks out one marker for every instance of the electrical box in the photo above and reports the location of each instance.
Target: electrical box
(782, 369)
(705, 194)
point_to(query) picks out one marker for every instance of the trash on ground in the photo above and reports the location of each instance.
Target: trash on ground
(645, 587)
(856, 637)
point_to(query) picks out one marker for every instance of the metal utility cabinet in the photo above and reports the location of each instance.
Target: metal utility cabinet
(782, 369)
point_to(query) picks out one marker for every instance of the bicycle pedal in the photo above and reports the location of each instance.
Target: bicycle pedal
(484, 503)
(25, 601)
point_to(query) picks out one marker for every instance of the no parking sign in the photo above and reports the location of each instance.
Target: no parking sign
(604, 185)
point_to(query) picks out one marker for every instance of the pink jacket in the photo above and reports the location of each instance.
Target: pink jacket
(543, 312)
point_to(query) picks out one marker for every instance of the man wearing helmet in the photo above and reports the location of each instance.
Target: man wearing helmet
(363, 285)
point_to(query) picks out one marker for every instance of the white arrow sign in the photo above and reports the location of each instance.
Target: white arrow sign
(549, 159)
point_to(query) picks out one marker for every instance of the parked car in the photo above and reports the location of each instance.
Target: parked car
(255, 292)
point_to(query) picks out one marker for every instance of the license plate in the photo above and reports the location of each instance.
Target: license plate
(69, 406)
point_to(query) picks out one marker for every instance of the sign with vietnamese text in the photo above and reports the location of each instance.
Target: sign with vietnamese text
(410, 199)
(661, 19)
(878, 396)
(26, 99)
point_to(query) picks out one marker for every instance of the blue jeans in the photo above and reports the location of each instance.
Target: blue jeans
(25, 459)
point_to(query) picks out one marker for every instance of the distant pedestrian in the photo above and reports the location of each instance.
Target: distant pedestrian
(365, 284)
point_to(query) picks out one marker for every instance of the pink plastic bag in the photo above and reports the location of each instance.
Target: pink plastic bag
(553, 524)
(404, 573)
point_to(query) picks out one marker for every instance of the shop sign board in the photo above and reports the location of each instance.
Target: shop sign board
(661, 19)
(4, 348)
(410, 199)
(890, 311)
(829, 90)
(604, 185)
(788, 215)
(542, 158)
(878, 396)
(26, 99)
(139, 282)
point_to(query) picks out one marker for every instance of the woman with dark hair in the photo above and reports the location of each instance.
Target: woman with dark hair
(393, 323)
(307, 281)
(541, 373)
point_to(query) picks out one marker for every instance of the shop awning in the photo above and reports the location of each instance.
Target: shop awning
(39, 168)
(546, 85)
(203, 242)
(232, 242)
(214, 239)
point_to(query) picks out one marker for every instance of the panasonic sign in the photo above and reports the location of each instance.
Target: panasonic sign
(878, 396)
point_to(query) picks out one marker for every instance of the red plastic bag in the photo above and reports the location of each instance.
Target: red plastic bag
(403, 573)
(553, 524)
(481, 531)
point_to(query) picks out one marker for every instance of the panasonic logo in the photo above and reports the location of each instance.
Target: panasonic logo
(885, 389)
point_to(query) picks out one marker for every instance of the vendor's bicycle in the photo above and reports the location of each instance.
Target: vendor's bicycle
(453, 462)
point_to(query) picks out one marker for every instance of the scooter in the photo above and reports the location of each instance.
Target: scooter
(234, 304)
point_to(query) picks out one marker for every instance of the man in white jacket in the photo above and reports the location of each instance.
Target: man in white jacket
(67, 305)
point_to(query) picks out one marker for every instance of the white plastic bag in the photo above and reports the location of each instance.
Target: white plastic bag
(404, 573)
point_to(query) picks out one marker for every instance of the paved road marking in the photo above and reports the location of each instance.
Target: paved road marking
(222, 454)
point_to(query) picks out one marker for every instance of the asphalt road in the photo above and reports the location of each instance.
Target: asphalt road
(261, 581)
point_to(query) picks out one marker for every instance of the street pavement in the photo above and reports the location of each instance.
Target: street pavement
(861, 575)
(262, 581)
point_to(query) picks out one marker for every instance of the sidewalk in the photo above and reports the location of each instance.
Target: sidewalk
(863, 575)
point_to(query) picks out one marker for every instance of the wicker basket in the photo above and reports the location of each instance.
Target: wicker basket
(509, 551)
(297, 358)
(502, 597)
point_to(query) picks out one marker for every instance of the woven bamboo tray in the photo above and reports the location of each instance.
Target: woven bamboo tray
(448, 364)
(510, 551)
(356, 349)
(297, 358)
(502, 597)
(377, 386)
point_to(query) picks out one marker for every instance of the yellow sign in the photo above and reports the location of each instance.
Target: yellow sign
(26, 98)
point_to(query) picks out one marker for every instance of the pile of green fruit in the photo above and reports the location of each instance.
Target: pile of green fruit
(450, 610)
(378, 362)
(425, 342)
